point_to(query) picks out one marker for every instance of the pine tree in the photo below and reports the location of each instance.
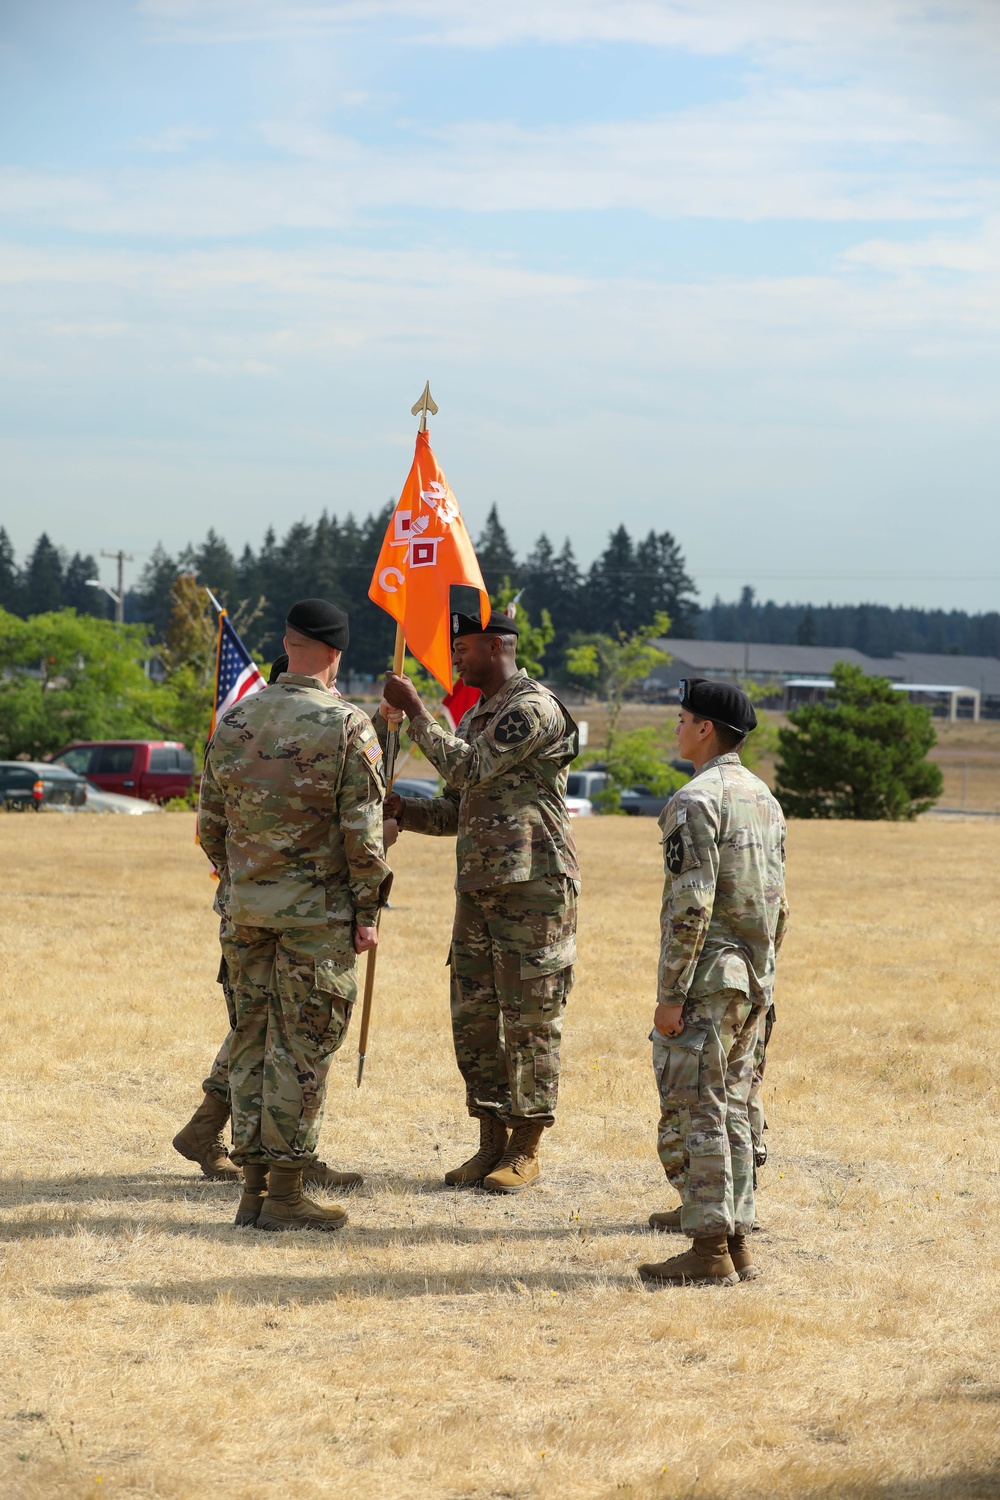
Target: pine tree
(152, 601)
(663, 584)
(612, 599)
(43, 579)
(10, 578)
(75, 592)
(495, 554)
(861, 754)
(215, 568)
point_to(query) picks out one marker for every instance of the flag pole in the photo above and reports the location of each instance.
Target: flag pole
(391, 749)
(423, 405)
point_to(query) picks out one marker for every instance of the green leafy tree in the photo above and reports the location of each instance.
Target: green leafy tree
(861, 754)
(65, 676)
(531, 639)
(611, 664)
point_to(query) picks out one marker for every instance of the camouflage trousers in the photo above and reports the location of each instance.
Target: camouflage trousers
(293, 991)
(703, 1140)
(217, 1082)
(512, 954)
(755, 1105)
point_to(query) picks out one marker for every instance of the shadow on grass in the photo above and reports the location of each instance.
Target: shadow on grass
(399, 1285)
(62, 1223)
(146, 1187)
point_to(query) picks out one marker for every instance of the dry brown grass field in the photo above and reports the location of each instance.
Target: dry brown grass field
(449, 1344)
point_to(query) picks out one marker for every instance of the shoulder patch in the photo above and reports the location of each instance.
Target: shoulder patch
(673, 852)
(373, 753)
(512, 728)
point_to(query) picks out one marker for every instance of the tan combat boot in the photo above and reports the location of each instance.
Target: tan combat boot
(286, 1208)
(254, 1188)
(739, 1254)
(316, 1174)
(707, 1263)
(518, 1167)
(667, 1223)
(201, 1140)
(492, 1144)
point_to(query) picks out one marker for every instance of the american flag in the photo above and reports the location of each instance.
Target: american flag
(236, 673)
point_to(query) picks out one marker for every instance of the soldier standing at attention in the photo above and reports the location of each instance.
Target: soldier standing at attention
(514, 939)
(291, 816)
(201, 1139)
(722, 922)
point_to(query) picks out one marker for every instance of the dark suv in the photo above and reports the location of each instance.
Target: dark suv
(31, 784)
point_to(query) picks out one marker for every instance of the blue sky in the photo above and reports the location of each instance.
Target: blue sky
(721, 268)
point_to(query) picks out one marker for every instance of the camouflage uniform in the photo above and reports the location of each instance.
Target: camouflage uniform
(291, 817)
(723, 919)
(514, 939)
(217, 1082)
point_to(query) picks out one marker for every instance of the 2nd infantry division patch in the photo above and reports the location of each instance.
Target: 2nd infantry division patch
(673, 852)
(512, 728)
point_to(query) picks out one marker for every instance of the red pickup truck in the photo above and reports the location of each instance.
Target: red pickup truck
(155, 770)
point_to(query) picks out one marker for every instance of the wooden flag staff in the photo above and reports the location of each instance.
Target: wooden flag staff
(425, 404)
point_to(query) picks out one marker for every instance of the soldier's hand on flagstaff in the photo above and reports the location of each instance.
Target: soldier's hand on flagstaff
(392, 806)
(399, 692)
(392, 716)
(365, 938)
(668, 1020)
(390, 832)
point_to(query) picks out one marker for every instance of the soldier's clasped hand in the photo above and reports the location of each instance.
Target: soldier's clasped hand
(400, 693)
(365, 938)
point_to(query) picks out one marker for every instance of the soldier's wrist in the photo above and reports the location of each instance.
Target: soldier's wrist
(365, 918)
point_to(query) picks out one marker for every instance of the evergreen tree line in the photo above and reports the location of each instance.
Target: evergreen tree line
(622, 589)
(50, 580)
(876, 629)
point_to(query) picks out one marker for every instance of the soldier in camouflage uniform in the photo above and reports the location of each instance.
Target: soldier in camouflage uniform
(201, 1139)
(723, 919)
(514, 939)
(291, 816)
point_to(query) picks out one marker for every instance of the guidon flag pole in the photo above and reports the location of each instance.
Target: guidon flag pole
(426, 552)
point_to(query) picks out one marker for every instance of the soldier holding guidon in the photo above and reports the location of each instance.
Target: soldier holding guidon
(514, 940)
(723, 918)
(291, 817)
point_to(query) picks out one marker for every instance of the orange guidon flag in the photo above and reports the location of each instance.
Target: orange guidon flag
(426, 550)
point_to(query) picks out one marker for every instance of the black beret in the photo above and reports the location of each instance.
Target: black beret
(719, 701)
(320, 621)
(497, 624)
(279, 665)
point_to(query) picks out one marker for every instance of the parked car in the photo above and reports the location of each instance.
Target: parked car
(154, 770)
(416, 786)
(640, 802)
(586, 784)
(114, 802)
(636, 801)
(579, 807)
(30, 785)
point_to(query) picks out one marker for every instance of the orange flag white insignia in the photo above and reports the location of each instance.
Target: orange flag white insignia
(426, 550)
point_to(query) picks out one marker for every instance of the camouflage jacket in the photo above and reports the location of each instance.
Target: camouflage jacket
(290, 811)
(505, 787)
(724, 909)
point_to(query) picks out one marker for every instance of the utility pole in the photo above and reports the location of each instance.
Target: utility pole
(119, 598)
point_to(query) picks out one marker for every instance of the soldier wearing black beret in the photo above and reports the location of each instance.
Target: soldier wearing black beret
(514, 938)
(721, 925)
